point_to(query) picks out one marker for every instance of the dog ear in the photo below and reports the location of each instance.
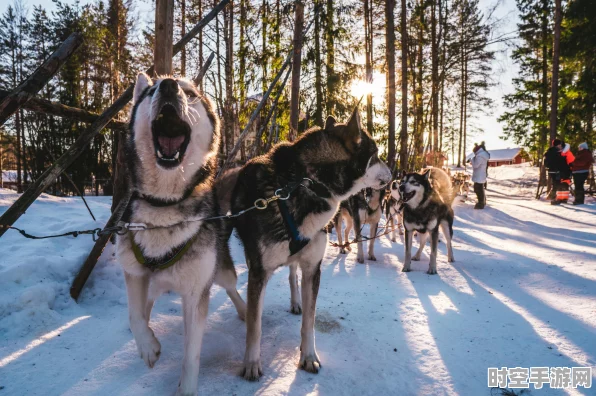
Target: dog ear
(354, 127)
(330, 123)
(427, 174)
(143, 81)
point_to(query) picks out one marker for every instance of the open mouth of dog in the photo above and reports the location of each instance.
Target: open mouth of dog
(171, 135)
(407, 196)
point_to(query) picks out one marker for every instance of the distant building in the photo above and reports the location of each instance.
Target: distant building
(9, 179)
(508, 156)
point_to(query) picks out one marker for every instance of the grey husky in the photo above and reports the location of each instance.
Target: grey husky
(358, 210)
(171, 152)
(393, 209)
(324, 167)
(427, 201)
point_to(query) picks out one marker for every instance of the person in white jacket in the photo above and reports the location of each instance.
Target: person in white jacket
(480, 167)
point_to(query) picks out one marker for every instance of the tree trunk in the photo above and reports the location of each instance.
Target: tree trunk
(403, 136)
(318, 65)
(390, 48)
(296, 67)
(368, 42)
(330, 66)
(435, 83)
(183, 32)
(164, 36)
(555, 76)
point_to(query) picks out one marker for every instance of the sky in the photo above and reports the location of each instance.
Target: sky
(490, 130)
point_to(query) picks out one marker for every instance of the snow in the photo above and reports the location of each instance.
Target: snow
(521, 293)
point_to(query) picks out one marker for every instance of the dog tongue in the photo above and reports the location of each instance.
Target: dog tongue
(169, 146)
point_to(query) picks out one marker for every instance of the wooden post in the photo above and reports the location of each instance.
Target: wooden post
(164, 37)
(47, 178)
(83, 274)
(28, 88)
(199, 78)
(43, 106)
(297, 61)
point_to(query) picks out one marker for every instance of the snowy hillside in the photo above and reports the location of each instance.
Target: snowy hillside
(522, 292)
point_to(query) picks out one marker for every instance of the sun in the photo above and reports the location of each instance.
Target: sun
(360, 88)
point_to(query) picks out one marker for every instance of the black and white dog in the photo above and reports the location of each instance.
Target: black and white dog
(171, 153)
(427, 201)
(327, 166)
(360, 209)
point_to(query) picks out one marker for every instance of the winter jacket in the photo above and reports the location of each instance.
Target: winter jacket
(480, 165)
(583, 162)
(555, 162)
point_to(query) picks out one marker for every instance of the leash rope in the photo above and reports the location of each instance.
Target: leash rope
(281, 194)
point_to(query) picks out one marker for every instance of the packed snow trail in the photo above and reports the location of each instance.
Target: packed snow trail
(522, 292)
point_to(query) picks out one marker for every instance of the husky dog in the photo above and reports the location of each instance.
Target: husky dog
(393, 209)
(171, 153)
(358, 210)
(330, 164)
(461, 183)
(426, 208)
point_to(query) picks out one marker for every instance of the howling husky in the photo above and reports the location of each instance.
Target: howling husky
(427, 202)
(324, 167)
(171, 153)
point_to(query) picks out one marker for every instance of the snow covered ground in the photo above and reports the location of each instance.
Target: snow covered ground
(522, 292)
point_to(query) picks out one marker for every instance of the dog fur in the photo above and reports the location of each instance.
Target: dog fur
(340, 159)
(393, 210)
(427, 201)
(171, 153)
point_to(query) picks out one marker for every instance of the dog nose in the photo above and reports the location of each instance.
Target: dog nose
(168, 87)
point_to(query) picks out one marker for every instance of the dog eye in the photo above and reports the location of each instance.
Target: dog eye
(191, 94)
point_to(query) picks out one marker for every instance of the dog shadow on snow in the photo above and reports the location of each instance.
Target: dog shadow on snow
(492, 328)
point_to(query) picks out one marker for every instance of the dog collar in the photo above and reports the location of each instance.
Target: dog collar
(164, 262)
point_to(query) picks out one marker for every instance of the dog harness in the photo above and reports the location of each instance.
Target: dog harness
(166, 261)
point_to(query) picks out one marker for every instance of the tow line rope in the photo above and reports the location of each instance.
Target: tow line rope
(281, 194)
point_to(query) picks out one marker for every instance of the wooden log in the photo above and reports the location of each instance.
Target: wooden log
(253, 117)
(47, 178)
(87, 267)
(257, 144)
(256, 112)
(164, 36)
(199, 78)
(36, 81)
(43, 106)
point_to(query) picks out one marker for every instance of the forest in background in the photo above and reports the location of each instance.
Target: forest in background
(352, 48)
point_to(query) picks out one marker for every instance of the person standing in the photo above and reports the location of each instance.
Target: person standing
(581, 168)
(479, 174)
(558, 171)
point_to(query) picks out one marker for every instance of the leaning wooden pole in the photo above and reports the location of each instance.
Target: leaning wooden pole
(36, 81)
(87, 267)
(297, 61)
(47, 178)
(43, 106)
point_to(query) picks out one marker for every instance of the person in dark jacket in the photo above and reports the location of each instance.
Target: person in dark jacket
(581, 168)
(558, 170)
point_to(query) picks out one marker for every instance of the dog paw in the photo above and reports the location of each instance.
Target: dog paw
(416, 258)
(343, 251)
(394, 239)
(360, 260)
(310, 363)
(252, 371)
(406, 269)
(451, 259)
(372, 257)
(432, 271)
(295, 308)
(149, 349)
